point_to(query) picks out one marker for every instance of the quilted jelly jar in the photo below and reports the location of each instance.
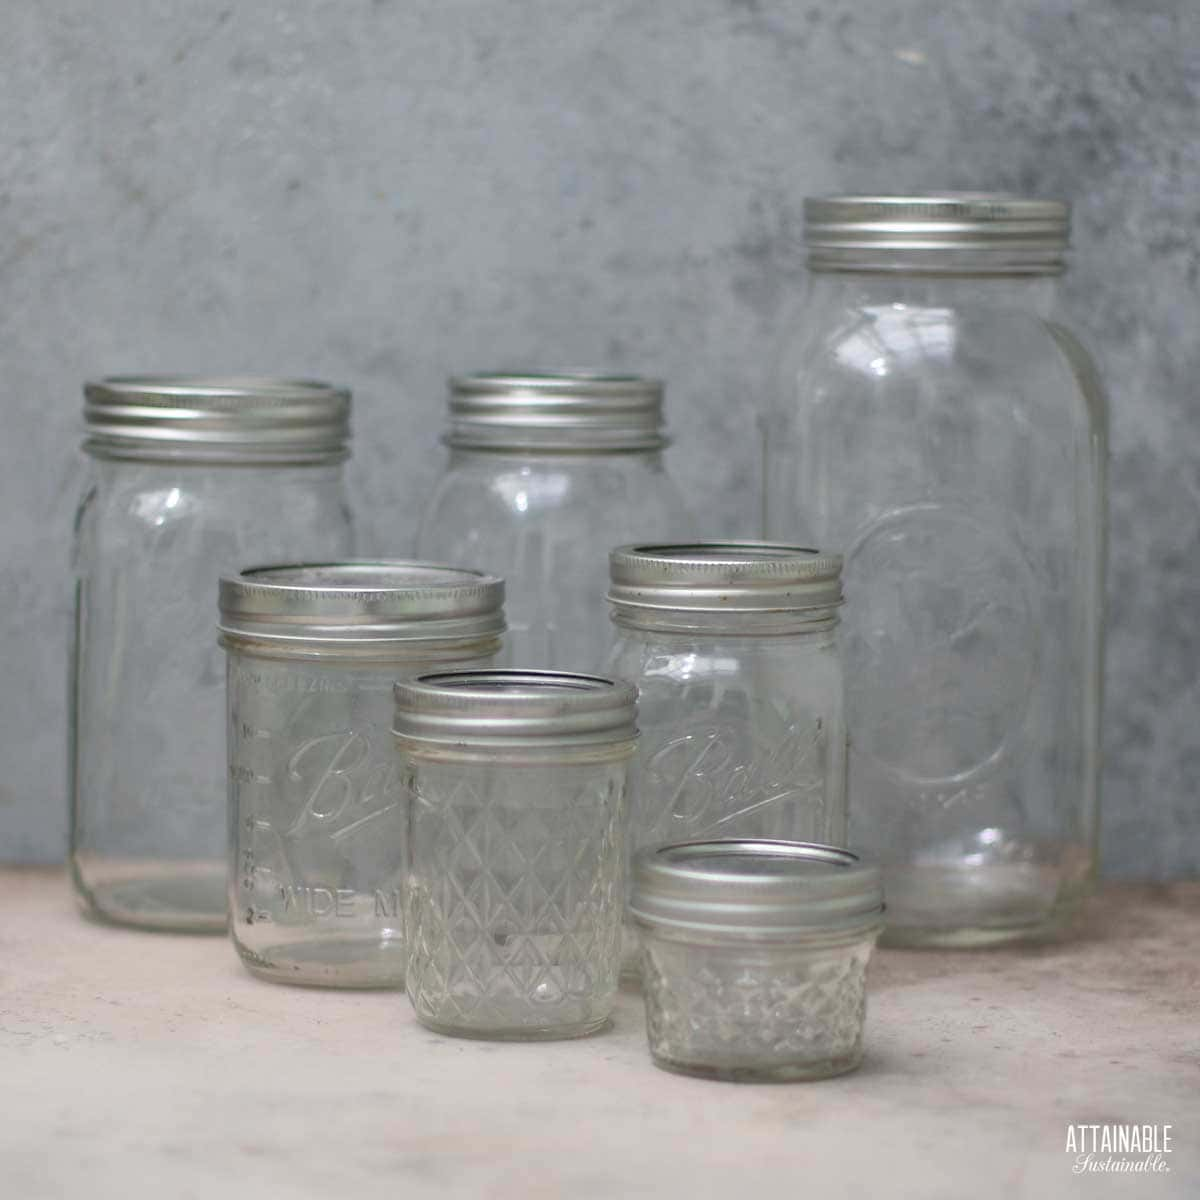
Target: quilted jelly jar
(317, 814)
(513, 899)
(755, 957)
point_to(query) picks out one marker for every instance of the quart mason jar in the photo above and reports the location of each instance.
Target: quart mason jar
(546, 474)
(187, 478)
(733, 649)
(516, 785)
(316, 807)
(936, 424)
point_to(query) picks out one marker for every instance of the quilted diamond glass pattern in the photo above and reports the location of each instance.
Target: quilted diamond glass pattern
(755, 1011)
(514, 896)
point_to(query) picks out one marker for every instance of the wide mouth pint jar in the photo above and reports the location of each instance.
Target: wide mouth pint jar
(317, 813)
(754, 956)
(516, 783)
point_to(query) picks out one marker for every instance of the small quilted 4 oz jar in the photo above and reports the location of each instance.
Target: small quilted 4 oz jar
(516, 786)
(754, 957)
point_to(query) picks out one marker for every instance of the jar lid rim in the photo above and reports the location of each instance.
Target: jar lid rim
(940, 231)
(734, 576)
(513, 709)
(216, 418)
(356, 601)
(780, 886)
(546, 411)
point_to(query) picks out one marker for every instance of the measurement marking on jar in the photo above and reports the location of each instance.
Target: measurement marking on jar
(243, 774)
(275, 684)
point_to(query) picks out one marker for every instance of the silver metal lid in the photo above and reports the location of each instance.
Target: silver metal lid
(956, 232)
(216, 419)
(738, 577)
(753, 887)
(591, 412)
(359, 609)
(514, 710)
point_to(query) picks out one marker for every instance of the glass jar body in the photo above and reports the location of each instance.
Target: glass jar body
(949, 438)
(546, 522)
(514, 897)
(147, 757)
(754, 1009)
(317, 817)
(741, 736)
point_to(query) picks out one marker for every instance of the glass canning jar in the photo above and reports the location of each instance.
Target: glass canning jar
(755, 957)
(316, 809)
(187, 478)
(937, 424)
(733, 648)
(516, 784)
(546, 474)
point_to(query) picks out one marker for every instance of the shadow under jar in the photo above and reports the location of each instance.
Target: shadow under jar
(187, 478)
(937, 424)
(516, 783)
(316, 804)
(733, 649)
(546, 474)
(755, 957)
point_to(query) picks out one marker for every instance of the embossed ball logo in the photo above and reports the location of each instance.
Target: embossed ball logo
(940, 643)
(734, 778)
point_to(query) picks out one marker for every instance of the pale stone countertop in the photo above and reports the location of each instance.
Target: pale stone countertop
(137, 1064)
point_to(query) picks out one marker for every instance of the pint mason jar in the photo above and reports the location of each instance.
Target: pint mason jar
(546, 474)
(733, 649)
(516, 784)
(937, 424)
(187, 478)
(754, 957)
(316, 808)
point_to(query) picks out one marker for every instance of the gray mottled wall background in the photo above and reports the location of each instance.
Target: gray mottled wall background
(381, 192)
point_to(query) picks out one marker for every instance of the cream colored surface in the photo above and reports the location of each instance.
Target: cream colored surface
(138, 1064)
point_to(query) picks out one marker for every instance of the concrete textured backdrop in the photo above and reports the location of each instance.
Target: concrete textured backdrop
(379, 193)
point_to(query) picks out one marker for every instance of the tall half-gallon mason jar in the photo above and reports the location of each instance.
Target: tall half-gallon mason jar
(937, 424)
(733, 648)
(546, 474)
(316, 807)
(187, 478)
